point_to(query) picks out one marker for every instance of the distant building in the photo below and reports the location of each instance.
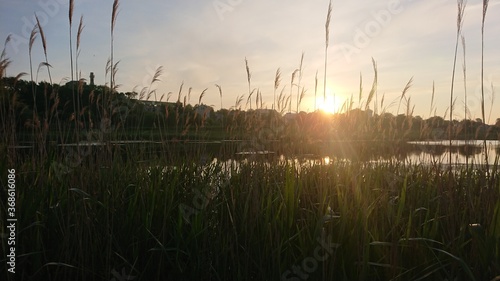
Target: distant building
(152, 106)
(75, 84)
(203, 110)
(289, 116)
(265, 111)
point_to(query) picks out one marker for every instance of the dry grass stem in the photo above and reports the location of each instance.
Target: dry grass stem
(70, 12)
(327, 42)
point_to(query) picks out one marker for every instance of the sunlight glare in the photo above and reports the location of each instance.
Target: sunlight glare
(330, 105)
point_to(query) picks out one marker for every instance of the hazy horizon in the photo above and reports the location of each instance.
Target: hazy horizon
(206, 43)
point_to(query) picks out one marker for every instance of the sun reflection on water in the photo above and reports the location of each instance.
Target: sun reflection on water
(326, 160)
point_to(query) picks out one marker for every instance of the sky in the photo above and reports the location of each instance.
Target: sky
(203, 43)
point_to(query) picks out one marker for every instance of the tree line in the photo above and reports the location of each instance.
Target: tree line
(58, 111)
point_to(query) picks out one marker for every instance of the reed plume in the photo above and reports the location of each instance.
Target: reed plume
(154, 79)
(220, 94)
(114, 15)
(258, 100)
(373, 90)
(316, 91)
(249, 78)
(239, 100)
(403, 93)
(2, 56)
(44, 45)
(180, 92)
(202, 95)
(33, 34)
(277, 81)
(78, 42)
(156, 76)
(300, 79)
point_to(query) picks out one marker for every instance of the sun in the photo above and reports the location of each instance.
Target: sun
(329, 105)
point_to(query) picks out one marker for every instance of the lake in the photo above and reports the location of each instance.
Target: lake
(462, 152)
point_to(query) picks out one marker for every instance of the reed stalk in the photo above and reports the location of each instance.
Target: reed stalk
(327, 41)
(114, 15)
(33, 35)
(485, 146)
(75, 110)
(460, 18)
(316, 91)
(290, 97)
(78, 75)
(466, 131)
(222, 114)
(52, 94)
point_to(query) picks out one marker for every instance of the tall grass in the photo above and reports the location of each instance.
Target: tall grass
(79, 91)
(327, 42)
(390, 220)
(485, 9)
(290, 97)
(34, 120)
(460, 18)
(464, 69)
(114, 15)
(300, 92)
(74, 92)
